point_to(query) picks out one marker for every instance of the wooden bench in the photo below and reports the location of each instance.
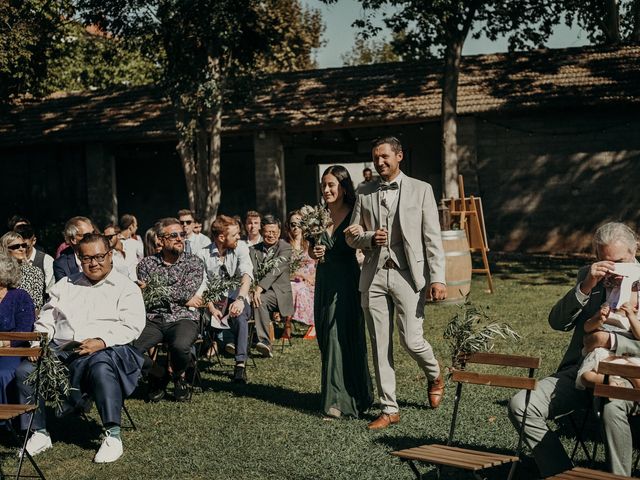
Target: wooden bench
(467, 459)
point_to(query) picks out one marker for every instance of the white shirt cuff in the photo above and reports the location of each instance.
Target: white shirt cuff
(614, 341)
(581, 297)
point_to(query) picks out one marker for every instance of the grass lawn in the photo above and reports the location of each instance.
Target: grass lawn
(271, 429)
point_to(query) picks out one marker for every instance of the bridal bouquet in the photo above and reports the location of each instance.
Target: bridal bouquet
(313, 223)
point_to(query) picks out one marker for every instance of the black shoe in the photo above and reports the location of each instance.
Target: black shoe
(156, 395)
(181, 391)
(240, 374)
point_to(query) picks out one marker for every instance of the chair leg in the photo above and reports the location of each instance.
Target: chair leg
(24, 452)
(579, 436)
(414, 469)
(132, 425)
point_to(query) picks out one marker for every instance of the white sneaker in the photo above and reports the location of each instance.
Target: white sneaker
(110, 450)
(38, 443)
(264, 349)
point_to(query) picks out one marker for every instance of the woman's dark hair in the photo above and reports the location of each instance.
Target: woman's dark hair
(344, 179)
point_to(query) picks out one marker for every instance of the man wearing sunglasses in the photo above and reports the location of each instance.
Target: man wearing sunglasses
(68, 262)
(194, 242)
(91, 319)
(175, 318)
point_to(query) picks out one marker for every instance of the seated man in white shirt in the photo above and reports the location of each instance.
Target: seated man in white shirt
(195, 242)
(103, 311)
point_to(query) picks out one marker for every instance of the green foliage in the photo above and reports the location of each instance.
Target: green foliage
(296, 260)
(465, 333)
(268, 263)
(606, 21)
(28, 29)
(54, 377)
(94, 61)
(366, 51)
(218, 288)
(156, 293)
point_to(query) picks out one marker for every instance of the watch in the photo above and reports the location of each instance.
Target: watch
(240, 297)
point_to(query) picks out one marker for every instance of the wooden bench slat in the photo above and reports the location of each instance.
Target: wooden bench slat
(24, 336)
(20, 351)
(489, 379)
(454, 456)
(621, 369)
(7, 413)
(504, 360)
(579, 473)
(612, 391)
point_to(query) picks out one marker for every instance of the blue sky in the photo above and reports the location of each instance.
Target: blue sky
(339, 34)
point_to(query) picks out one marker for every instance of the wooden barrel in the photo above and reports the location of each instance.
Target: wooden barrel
(458, 265)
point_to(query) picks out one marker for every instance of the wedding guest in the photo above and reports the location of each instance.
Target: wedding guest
(37, 257)
(32, 278)
(16, 220)
(273, 291)
(228, 257)
(194, 242)
(367, 175)
(346, 388)
(17, 314)
(303, 279)
(152, 243)
(130, 240)
(68, 263)
(395, 223)
(252, 224)
(176, 320)
(103, 311)
(557, 395)
(243, 231)
(197, 225)
(124, 262)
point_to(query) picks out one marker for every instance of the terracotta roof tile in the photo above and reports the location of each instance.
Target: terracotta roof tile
(363, 95)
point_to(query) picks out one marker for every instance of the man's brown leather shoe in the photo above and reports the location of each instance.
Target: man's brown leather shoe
(435, 389)
(384, 420)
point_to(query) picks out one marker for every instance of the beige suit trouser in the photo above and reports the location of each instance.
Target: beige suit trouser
(392, 291)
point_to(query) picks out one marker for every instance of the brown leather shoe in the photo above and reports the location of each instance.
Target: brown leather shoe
(384, 420)
(435, 390)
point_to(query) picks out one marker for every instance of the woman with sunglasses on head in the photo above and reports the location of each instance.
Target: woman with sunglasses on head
(152, 243)
(32, 279)
(303, 279)
(17, 314)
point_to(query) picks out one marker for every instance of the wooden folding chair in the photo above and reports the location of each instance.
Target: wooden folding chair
(474, 460)
(602, 393)
(10, 411)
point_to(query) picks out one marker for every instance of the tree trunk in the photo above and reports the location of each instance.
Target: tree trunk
(612, 22)
(186, 150)
(635, 32)
(213, 175)
(452, 58)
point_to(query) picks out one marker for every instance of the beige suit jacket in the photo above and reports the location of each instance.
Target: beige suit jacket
(420, 232)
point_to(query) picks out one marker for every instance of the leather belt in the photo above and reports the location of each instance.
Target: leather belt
(389, 264)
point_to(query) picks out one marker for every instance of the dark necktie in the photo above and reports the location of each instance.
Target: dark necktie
(388, 186)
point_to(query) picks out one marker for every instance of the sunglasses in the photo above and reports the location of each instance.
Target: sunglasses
(294, 225)
(18, 246)
(109, 237)
(186, 222)
(174, 235)
(87, 259)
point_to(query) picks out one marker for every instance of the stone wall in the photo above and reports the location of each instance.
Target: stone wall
(548, 180)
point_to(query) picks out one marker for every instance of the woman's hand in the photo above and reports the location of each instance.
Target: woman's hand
(318, 252)
(214, 311)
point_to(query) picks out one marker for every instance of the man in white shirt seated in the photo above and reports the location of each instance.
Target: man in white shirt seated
(103, 311)
(124, 262)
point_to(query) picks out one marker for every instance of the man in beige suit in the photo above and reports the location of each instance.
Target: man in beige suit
(395, 223)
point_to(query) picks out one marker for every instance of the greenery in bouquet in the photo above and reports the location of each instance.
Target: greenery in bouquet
(296, 261)
(156, 293)
(268, 263)
(54, 377)
(314, 221)
(468, 332)
(219, 287)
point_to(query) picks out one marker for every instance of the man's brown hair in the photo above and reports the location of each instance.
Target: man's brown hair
(221, 224)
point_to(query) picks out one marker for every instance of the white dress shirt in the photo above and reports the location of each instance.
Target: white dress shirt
(111, 310)
(49, 279)
(197, 243)
(237, 262)
(389, 196)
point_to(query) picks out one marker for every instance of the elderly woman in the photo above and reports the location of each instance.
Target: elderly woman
(13, 245)
(17, 314)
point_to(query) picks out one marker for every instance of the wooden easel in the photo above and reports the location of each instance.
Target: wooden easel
(472, 220)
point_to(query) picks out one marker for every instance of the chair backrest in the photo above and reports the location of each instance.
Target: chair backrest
(21, 351)
(622, 367)
(526, 382)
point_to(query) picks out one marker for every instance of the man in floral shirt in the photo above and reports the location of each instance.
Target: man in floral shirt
(174, 318)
